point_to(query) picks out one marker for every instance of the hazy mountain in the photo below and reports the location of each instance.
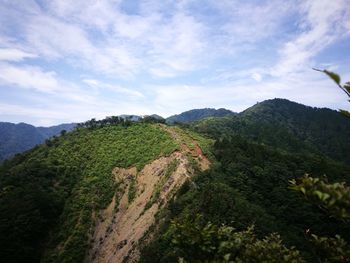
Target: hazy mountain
(16, 138)
(198, 114)
(55, 130)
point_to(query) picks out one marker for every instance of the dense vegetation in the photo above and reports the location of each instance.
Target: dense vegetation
(249, 186)
(286, 125)
(197, 114)
(16, 138)
(48, 194)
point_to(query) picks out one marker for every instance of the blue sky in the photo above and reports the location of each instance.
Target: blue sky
(64, 61)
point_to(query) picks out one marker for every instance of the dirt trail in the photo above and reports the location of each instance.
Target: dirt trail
(196, 152)
(120, 226)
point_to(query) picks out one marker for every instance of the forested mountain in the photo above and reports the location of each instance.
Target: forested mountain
(198, 114)
(16, 138)
(121, 191)
(286, 125)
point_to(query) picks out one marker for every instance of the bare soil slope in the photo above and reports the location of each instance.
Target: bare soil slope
(141, 195)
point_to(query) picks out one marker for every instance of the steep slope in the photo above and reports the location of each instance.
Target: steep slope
(198, 114)
(143, 195)
(248, 185)
(287, 125)
(16, 138)
(51, 196)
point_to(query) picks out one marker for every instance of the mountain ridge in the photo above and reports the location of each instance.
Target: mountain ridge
(304, 128)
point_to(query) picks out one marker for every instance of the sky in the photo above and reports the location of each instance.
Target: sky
(70, 61)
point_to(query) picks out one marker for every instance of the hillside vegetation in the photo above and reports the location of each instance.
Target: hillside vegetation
(48, 194)
(248, 186)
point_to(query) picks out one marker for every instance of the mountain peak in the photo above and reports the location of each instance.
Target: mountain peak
(283, 106)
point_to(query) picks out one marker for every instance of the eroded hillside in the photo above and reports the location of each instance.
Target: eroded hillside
(139, 197)
(64, 182)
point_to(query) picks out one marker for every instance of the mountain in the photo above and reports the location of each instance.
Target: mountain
(286, 125)
(48, 132)
(198, 114)
(16, 138)
(123, 191)
(83, 181)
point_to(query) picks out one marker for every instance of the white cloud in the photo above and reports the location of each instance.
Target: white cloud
(167, 42)
(29, 77)
(177, 46)
(54, 38)
(257, 77)
(114, 88)
(100, 37)
(323, 24)
(44, 82)
(251, 22)
(12, 54)
(91, 82)
(60, 40)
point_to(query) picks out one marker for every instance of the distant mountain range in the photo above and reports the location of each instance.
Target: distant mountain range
(185, 117)
(16, 138)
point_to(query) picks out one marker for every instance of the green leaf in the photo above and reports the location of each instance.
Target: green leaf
(319, 194)
(347, 86)
(333, 76)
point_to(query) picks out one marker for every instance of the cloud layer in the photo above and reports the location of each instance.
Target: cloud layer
(66, 60)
